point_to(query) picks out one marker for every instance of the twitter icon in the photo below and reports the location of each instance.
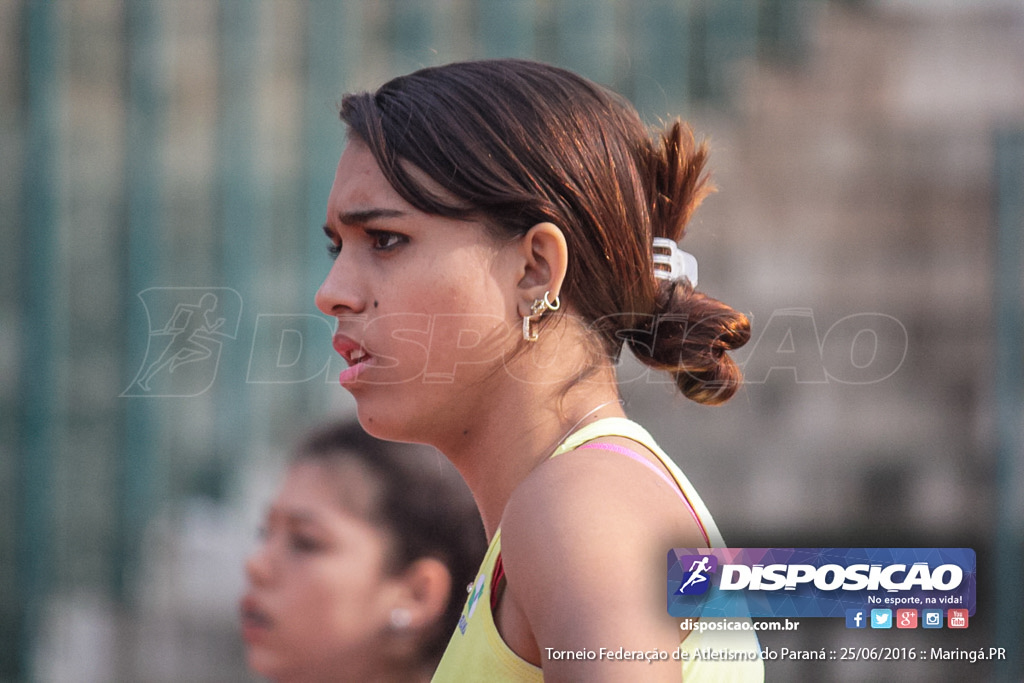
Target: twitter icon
(881, 618)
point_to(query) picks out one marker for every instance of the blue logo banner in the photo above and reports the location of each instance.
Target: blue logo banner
(818, 582)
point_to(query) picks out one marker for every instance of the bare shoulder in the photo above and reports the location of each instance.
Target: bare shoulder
(590, 493)
(584, 543)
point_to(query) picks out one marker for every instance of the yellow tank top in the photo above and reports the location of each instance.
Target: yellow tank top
(476, 651)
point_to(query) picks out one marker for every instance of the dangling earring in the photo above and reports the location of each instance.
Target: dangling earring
(538, 308)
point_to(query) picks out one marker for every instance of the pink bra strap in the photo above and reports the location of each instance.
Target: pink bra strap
(633, 455)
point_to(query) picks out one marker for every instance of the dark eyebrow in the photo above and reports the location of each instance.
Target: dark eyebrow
(368, 215)
(292, 515)
(300, 517)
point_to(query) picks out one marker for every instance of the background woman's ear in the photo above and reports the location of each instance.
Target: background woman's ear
(546, 261)
(426, 588)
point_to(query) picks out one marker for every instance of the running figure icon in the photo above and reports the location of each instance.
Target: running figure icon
(187, 329)
(698, 570)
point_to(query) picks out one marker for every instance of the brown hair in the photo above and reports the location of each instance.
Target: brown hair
(418, 500)
(519, 143)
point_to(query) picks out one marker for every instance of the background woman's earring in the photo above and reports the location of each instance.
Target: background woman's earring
(400, 618)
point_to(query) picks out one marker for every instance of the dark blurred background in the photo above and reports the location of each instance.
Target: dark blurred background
(166, 166)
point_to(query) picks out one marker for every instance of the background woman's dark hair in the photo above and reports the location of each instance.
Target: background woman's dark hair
(419, 500)
(518, 143)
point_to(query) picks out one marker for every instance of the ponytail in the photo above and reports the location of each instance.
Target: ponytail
(675, 179)
(692, 333)
(690, 339)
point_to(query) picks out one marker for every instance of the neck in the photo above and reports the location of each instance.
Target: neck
(517, 433)
(375, 672)
(404, 675)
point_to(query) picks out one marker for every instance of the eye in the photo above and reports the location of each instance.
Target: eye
(301, 543)
(382, 240)
(334, 249)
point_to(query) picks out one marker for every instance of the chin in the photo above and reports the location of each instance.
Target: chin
(265, 663)
(391, 418)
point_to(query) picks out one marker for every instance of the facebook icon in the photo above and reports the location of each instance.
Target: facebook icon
(856, 618)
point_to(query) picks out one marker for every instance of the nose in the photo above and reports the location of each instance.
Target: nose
(338, 294)
(259, 566)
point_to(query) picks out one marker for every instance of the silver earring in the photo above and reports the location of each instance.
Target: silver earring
(538, 308)
(400, 618)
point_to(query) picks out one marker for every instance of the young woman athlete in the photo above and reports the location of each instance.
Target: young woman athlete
(500, 230)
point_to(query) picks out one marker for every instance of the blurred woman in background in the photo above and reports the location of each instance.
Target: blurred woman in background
(365, 556)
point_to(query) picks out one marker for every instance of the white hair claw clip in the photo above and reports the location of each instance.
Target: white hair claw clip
(672, 263)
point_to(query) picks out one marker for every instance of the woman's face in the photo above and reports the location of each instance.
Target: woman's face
(319, 601)
(425, 305)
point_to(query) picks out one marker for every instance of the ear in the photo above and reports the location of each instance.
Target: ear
(426, 589)
(545, 261)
